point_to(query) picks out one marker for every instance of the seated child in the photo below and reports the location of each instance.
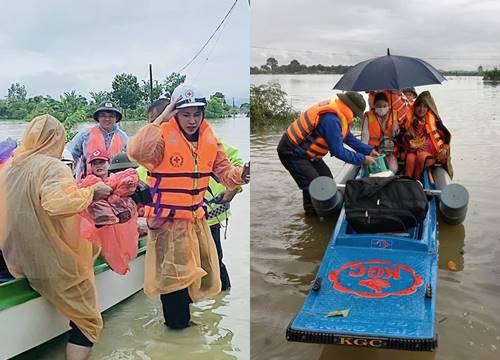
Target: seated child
(112, 223)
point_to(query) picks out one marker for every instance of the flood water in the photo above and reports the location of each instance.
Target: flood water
(134, 328)
(287, 248)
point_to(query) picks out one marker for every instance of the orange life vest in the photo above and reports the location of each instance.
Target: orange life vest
(96, 142)
(430, 128)
(375, 128)
(178, 184)
(397, 103)
(302, 132)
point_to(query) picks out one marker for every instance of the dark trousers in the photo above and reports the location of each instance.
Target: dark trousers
(176, 309)
(77, 337)
(303, 169)
(224, 276)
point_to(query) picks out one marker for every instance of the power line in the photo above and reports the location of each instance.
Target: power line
(210, 38)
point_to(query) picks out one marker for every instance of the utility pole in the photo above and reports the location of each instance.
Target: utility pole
(234, 110)
(151, 83)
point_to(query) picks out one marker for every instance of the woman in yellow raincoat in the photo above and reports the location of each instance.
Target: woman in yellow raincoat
(39, 230)
(181, 151)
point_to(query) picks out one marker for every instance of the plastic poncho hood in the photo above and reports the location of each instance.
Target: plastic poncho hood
(40, 225)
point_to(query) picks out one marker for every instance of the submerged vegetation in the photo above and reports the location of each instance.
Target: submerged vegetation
(492, 75)
(268, 105)
(133, 99)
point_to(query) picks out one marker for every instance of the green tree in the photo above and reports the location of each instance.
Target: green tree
(272, 63)
(70, 121)
(16, 92)
(216, 108)
(146, 91)
(265, 68)
(99, 97)
(244, 108)
(295, 66)
(221, 96)
(268, 103)
(171, 82)
(126, 91)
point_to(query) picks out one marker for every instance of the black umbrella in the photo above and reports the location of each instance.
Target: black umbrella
(389, 72)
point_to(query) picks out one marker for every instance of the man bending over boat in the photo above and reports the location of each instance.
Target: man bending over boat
(40, 227)
(321, 128)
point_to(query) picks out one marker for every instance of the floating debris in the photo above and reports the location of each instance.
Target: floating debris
(452, 266)
(338, 313)
(443, 320)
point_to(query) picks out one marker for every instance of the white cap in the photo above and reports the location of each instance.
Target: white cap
(189, 96)
(67, 156)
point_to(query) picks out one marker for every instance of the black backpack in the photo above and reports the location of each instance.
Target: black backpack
(384, 204)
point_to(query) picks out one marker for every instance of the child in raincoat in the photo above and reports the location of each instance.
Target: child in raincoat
(112, 223)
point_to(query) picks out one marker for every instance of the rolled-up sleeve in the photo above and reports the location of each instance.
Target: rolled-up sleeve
(228, 174)
(147, 146)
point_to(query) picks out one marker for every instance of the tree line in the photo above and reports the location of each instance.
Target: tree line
(492, 75)
(131, 96)
(295, 67)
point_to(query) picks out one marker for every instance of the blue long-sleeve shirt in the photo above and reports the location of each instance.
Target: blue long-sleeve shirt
(78, 144)
(331, 130)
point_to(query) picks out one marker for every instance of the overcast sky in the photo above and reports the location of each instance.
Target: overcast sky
(449, 34)
(53, 46)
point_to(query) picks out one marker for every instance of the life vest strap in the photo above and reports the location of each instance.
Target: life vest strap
(182, 191)
(194, 175)
(179, 207)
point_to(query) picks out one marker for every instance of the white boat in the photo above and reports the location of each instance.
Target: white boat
(28, 320)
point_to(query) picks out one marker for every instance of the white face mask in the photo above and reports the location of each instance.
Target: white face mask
(382, 111)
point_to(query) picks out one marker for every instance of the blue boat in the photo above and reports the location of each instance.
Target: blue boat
(375, 290)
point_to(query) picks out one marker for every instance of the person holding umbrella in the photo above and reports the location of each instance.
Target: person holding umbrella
(323, 128)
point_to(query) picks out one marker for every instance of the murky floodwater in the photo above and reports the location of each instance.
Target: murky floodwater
(134, 328)
(287, 248)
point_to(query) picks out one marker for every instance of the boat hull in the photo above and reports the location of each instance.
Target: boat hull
(34, 322)
(374, 290)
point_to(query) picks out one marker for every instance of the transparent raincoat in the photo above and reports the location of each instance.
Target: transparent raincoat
(40, 225)
(181, 252)
(117, 215)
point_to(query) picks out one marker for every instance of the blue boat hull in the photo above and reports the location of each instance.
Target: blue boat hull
(384, 284)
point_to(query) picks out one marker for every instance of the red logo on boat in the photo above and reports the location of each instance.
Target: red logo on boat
(375, 279)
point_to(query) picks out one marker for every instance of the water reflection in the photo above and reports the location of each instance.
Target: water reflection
(451, 246)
